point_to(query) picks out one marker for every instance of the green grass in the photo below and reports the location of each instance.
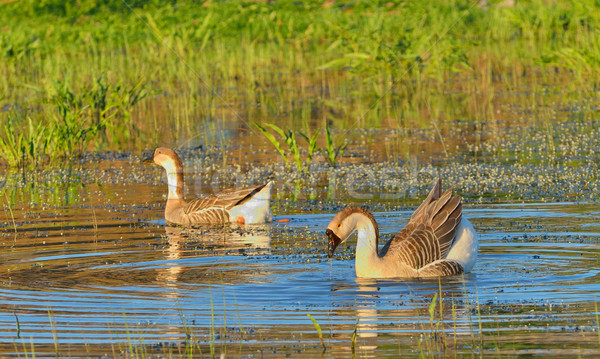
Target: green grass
(69, 122)
(318, 329)
(289, 138)
(112, 75)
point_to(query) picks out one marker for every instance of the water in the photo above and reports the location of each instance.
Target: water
(99, 273)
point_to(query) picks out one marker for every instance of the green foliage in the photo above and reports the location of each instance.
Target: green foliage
(19, 147)
(74, 8)
(312, 146)
(71, 122)
(274, 141)
(289, 138)
(71, 126)
(332, 150)
(431, 309)
(318, 329)
(117, 101)
(353, 339)
(409, 64)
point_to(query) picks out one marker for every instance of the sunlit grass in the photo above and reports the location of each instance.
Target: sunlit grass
(395, 64)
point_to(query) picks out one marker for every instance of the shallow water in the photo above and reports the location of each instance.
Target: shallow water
(102, 274)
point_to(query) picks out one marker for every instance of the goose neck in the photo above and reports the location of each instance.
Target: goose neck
(175, 181)
(367, 259)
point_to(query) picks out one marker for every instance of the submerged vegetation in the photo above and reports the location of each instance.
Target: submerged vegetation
(74, 73)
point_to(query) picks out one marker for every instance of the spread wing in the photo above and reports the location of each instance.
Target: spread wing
(429, 234)
(215, 208)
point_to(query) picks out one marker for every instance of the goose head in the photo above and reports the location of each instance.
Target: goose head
(167, 158)
(345, 223)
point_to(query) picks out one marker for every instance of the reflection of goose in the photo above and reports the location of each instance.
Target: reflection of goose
(437, 241)
(254, 237)
(169, 274)
(367, 317)
(400, 309)
(248, 205)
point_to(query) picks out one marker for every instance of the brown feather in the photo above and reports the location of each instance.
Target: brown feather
(227, 199)
(433, 195)
(441, 268)
(430, 233)
(237, 197)
(213, 215)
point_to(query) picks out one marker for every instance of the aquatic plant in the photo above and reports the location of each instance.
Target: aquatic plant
(71, 122)
(318, 329)
(353, 338)
(312, 146)
(14, 223)
(289, 137)
(276, 142)
(332, 150)
(20, 147)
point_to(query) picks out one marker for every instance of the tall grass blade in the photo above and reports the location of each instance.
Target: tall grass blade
(312, 146)
(597, 319)
(318, 329)
(18, 326)
(353, 338)
(273, 141)
(331, 150)
(431, 308)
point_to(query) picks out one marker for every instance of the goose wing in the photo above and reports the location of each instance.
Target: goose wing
(207, 210)
(441, 268)
(429, 234)
(215, 208)
(238, 196)
(417, 217)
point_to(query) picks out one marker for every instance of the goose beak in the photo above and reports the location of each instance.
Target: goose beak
(148, 156)
(334, 241)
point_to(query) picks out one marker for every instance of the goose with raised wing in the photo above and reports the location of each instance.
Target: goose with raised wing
(248, 205)
(437, 241)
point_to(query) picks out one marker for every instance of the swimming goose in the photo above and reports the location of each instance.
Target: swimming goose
(437, 241)
(248, 205)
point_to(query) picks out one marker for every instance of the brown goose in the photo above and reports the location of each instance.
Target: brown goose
(248, 205)
(437, 241)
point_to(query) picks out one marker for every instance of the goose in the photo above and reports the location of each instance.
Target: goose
(244, 206)
(437, 241)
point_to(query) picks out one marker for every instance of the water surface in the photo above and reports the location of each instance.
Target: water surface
(104, 275)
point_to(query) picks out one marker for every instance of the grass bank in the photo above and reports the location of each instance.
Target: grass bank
(111, 75)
